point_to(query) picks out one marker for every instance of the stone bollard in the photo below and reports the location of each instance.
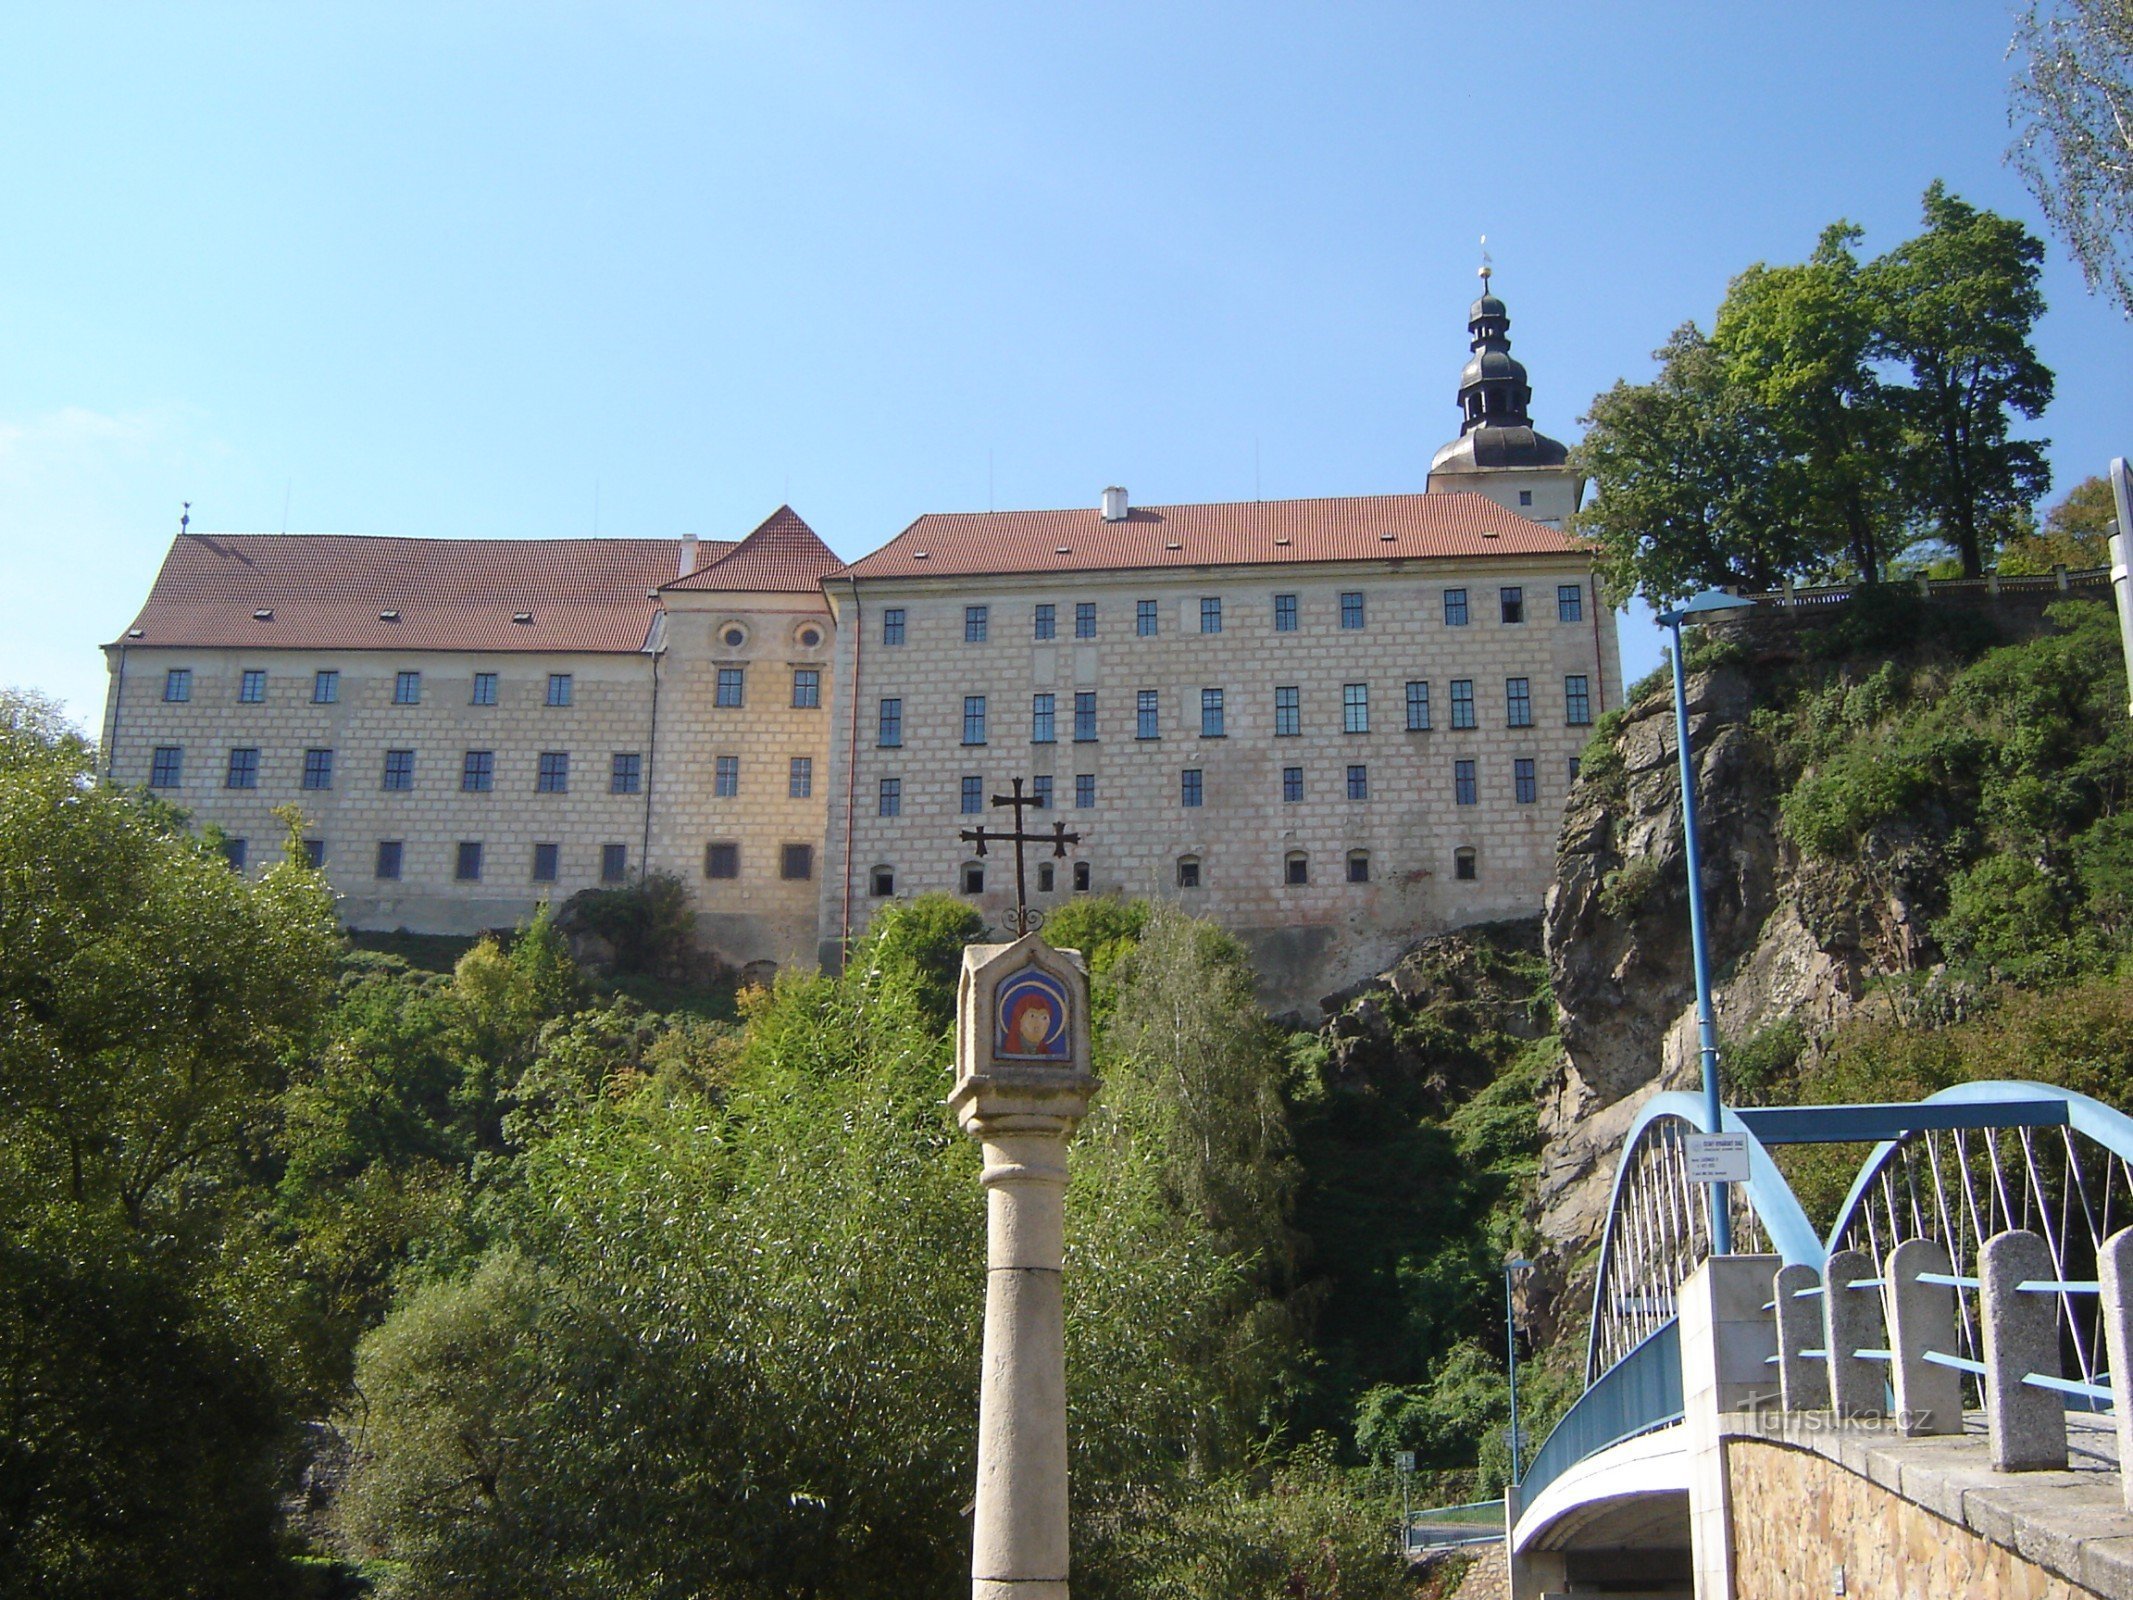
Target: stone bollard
(1921, 1317)
(2027, 1424)
(2114, 1268)
(1803, 1371)
(1851, 1321)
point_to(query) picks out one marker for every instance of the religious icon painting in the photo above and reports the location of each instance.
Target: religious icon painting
(1030, 1017)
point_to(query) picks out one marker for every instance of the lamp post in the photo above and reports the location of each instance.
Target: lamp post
(1510, 1339)
(1710, 602)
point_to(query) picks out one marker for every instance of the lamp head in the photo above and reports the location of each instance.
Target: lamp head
(1517, 1264)
(1697, 605)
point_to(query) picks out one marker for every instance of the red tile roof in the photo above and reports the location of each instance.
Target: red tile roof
(1352, 528)
(782, 556)
(334, 591)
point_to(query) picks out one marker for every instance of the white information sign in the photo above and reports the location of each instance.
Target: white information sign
(1718, 1157)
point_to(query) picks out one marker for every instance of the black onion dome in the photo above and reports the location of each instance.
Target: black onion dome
(1496, 428)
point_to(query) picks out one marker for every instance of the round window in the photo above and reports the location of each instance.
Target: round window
(734, 638)
(810, 638)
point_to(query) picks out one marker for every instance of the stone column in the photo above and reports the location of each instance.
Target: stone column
(1803, 1369)
(2026, 1426)
(1727, 1340)
(1022, 1096)
(1851, 1322)
(1921, 1317)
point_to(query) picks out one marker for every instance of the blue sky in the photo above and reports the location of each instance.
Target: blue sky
(458, 269)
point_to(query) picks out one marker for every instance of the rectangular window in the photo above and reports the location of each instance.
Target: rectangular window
(1284, 613)
(1144, 618)
(1296, 869)
(889, 802)
(1188, 872)
(1570, 602)
(1211, 614)
(1464, 791)
(1040, 789)
(554, 775)
(892, 632)
(167, 766)
(318, 769)
(726, 777)
(407, 688)
(889, 733)
(1144, 715)
(178, 684)
(477, 771)
(883, 882)
(243, 770)
(1355, 708)
(1358, 866)
(1463, 865)
(1044, 622)
(1288, 711)
(559, 687)
(1463, 702)
(1512, 602)
(252, 686)
(796, 862)
(1573, 771)
(806, 688)
(800, 778)
(547, 862)
(1455, 608)
(722, 861)
(399, 769)
(1040, 719)
(1358, 783)
(389, 854)
(1292, 785)
(973, 794)
(1085, 619)
(975, 623)
(1418, 707)
(973, 719)
(1211, 713)
(1577, 700)
(234, 852)
(1084, 790)
(1523, 786)
(1085, 716)
(1517, 703)
(625, 772)
(466, 866)
(325, 687)
(484, 689)
(732, 686)
(315, 854)
(614, 862)
(1189, 787)
(1352, 609)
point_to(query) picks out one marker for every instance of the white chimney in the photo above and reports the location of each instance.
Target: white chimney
(688, 555)
(1114, 504)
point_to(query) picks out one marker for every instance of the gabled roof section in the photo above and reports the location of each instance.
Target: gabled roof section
(312, 591)
(782, 556)
(1233, 533)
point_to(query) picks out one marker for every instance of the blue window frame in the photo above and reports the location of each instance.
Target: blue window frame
(407, 688)
(1417, 706)
(1570, 602)
(1211, 714)
(1288, 711)
(390, 854)
(726, 777)
(973, 794)
(1523, 786)
(1517, 703)
(722, 859)
(318, 769)
(1085, 619)
(1144, 715)
(1284, 613)
(1352, 609)
(889, 801)
(1511, 601)
(1190, 788)
(1463, 702)
(252, 686)
(892, 625)
(484, 689)
(167, 767)
(1577, 700)
(1085, 716)
(243, 770)
(547, 862)
(178, 684)
(625, 773)
(889, 733)
(1292, 785)
(325, 687)
(1044, 622)
(1355, 708)
(973, 719)
(1041, 719)
(1358, 782)
(1084, 790)
(1455, 608)
(1211, 614)
(399, 769)
(614, 862)
(732, 687)
(1040, 789)
(800, 778)
(560, 688)
(1465, 792)
(553, 774)
(807, 688)
(1144, 618)
(976, 622)
(466, 866)
(477, 771)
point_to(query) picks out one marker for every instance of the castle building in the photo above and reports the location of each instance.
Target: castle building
(1333, 725)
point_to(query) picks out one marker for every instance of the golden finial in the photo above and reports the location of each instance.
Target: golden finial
(1488, 268)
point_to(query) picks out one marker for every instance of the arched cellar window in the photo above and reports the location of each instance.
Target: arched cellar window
(1296, 868)
(1359, 866)
(1188, 872)
(1463, 865)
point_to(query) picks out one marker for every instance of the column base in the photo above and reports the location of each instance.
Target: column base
(1018, 1589)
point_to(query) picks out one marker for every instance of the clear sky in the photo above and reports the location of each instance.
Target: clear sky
(541, 269)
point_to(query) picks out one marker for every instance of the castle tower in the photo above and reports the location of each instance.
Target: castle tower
(1498, 453)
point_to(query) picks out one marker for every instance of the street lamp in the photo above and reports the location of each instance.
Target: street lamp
(1510, 1339)
(1710, 602)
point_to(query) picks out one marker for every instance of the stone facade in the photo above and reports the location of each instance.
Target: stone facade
(1380, 855)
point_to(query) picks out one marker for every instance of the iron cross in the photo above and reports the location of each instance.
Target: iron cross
(1058, 839)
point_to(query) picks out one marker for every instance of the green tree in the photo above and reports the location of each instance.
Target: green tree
(1956, 307)
(2076, 532)
(2072, 109)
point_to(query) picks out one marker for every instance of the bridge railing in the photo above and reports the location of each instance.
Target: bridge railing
(1640, 1392)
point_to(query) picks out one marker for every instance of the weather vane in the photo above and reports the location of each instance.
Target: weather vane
(185, 517)
(1024, 918)
(1488, 267)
